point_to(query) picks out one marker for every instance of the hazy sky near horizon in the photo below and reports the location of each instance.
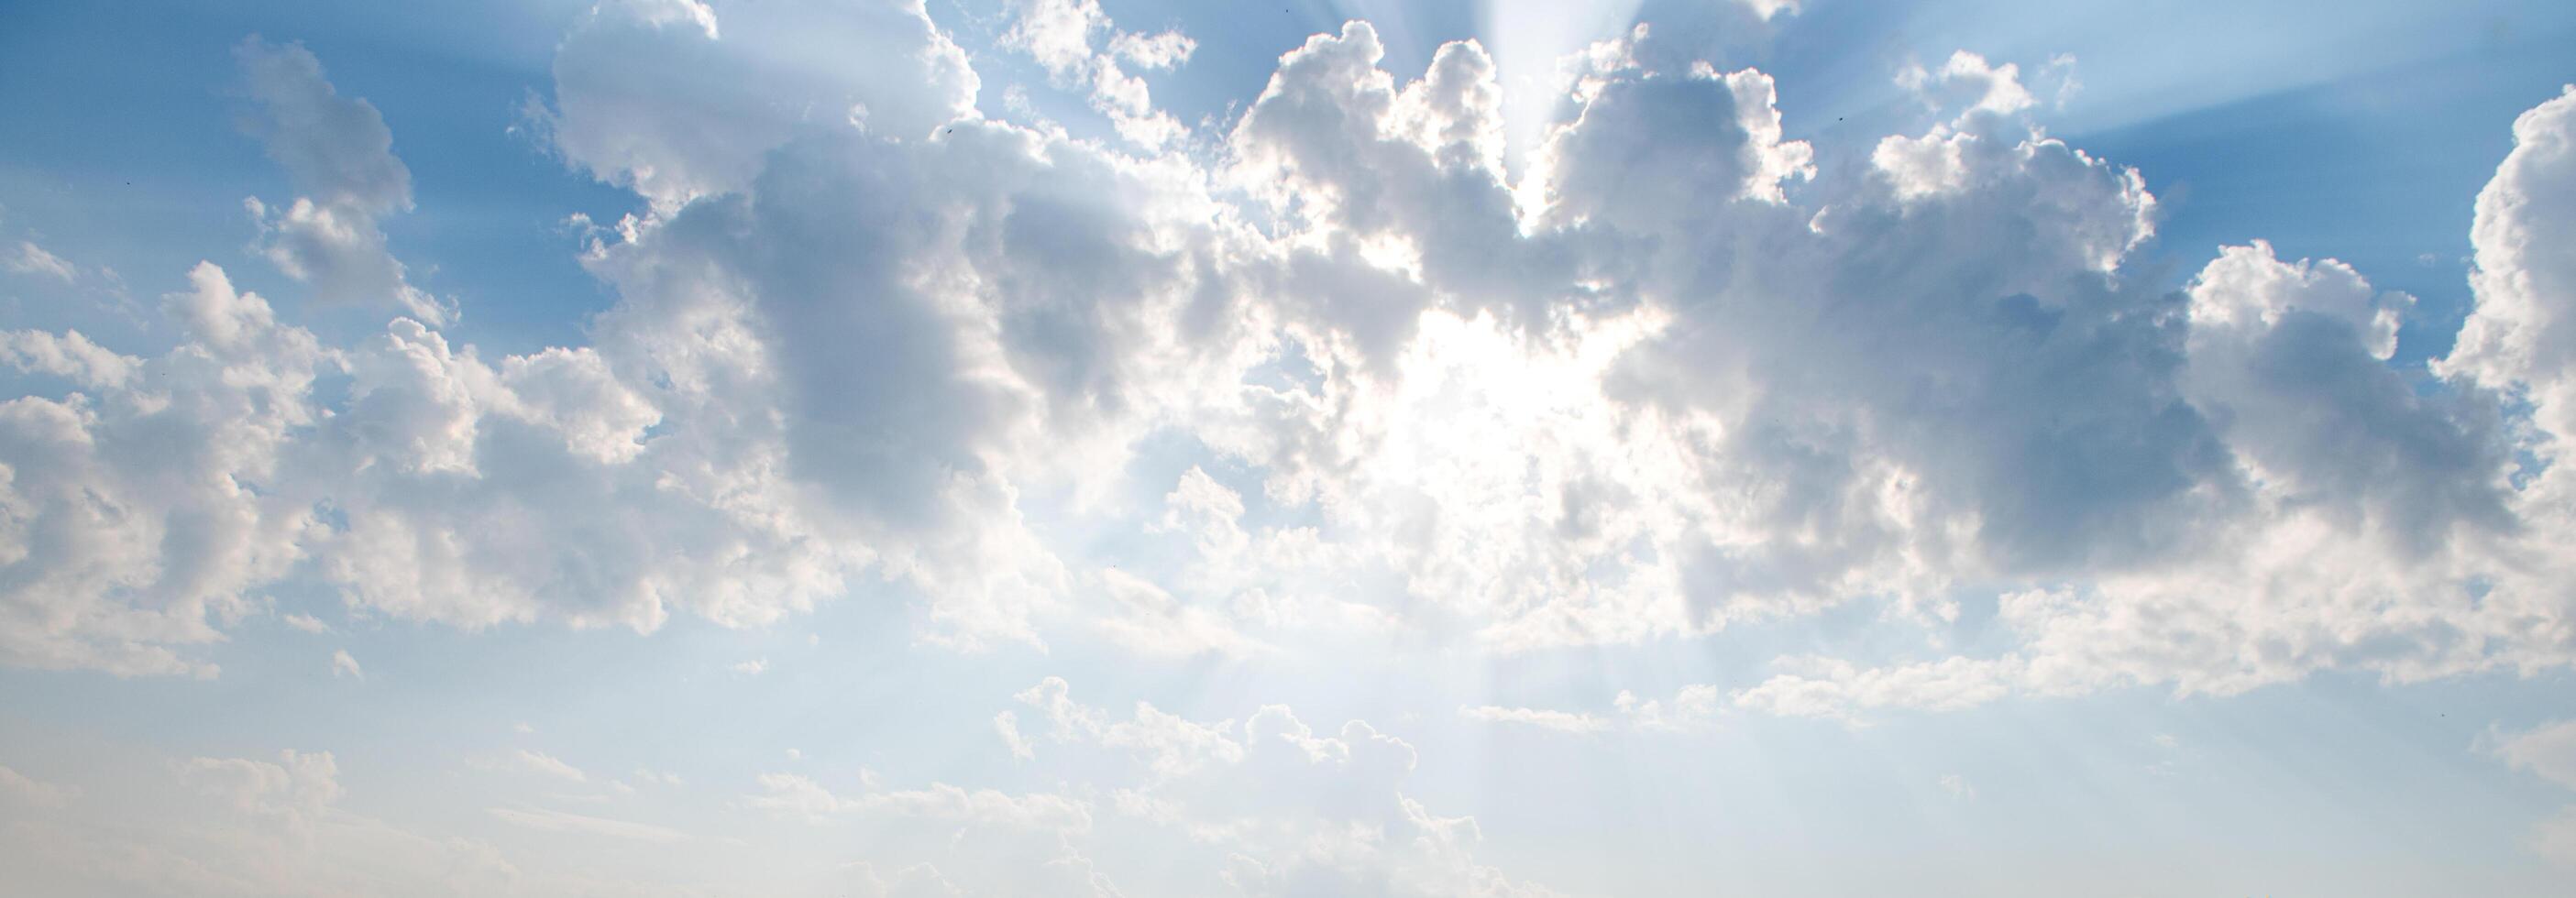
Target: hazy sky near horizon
(1144, 448)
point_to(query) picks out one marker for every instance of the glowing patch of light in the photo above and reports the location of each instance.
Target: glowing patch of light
(1526, 38)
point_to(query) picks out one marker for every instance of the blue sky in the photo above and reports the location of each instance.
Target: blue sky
(1033, 447)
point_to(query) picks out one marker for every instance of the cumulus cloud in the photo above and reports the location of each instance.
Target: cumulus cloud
(1078, 45)
(648, 96)
(123, 501)
(2517, 337)
(1660, 377)
(339, 155)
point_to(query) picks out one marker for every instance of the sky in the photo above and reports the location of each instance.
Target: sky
(1370, 448)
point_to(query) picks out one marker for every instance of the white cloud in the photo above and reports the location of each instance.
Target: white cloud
(344, 666)
(297, 789)
(1063, 37)
(33, 260)
(1665, 377)
(1007, 725)
(1690, 707)
(647, 96)
(1967, 82)
(20, 790)
(1824, 687)
(794, 795)
(2555, 837)
(137, 486)
(535, 763)
(1176, 746)
(1668, 377)
(1560, 721)
(69, 355)
(545, 820)
(2286, 360)
(2547, 751)
(1769, 8)
(2517, 337)
(339, 155)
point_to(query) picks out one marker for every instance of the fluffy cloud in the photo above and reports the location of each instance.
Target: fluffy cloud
(339, 155)
(2518, 335)
(1065, 37)
(1660, 377)
(125, 502)
(663, 97)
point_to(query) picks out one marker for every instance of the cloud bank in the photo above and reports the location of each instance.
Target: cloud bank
(1662, 377)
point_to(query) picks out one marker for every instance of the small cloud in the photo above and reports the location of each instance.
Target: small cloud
(2548, 752)
(306, 623)
(33, 260)
(1958, 787)
(344, 666)
(522, 728)
(18, 788)
(752, 668)
(2555, 838)
(2060, 71)
(537, 763)
(1008, 725)
(794, 755)
(561, 822)
(2167, 741)
(1560, 721)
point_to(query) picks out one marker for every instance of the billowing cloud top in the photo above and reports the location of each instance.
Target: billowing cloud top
(1343, 367)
